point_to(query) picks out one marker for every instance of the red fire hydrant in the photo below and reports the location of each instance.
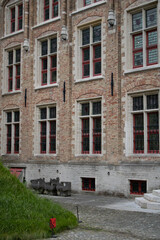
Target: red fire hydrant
(52, 223)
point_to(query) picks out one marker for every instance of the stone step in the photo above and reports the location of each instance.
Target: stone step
(151, 197)
(156, 192)
(143, 203)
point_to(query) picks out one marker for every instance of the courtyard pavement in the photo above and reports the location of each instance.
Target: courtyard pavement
(109, 218)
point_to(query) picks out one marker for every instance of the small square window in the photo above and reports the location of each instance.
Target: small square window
(138, 187)
(88, 184)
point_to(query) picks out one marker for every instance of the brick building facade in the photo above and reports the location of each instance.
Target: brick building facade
(79, 96)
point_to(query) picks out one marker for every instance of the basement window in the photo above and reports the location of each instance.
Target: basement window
(138, 187)
(88, 184)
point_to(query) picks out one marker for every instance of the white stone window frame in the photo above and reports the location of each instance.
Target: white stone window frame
(79, 47)
(78, 127)
(38, 63)
(4, 131)
(38, 120)
(80, 5)
(128, 43)
(129, 122)
(40, 12)
(8, 8)
(5, 70)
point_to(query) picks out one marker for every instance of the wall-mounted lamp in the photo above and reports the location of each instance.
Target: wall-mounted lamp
(64, 33)
(111, 18)
(26, 45)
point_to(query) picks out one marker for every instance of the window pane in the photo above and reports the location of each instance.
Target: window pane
(18, 55)
(85, 135)
(86, 54)
(10, 57)
(55, 10)
(138, 103)
(138, 130)
(86, 70)
(97, 33)
(10, 72)
(138, 41)
(52, 112)
(54, 62)
(152, 101)
(20, 24)
(13, 27)
(16, 130)
(46, 3)
(153, 133)
(53, 136)
(138, 59)
(9, 117)
(16, 116)
(53, 43)
(151, 17)
(97, 135)
(13, 13)
(53, 128)
(97, 68)
(96, 108)
(44, 47)
(44, 64)
(20, 8)
(136, 21)
(153, 56)
(53, 77)
(152, 38)
(43, 113)
(85, 109)
(97, 51)
(87, 2)
(18, 70)
(43, 137)
(85, 36)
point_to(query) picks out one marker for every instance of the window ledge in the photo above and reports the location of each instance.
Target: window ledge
(45, 155)
(142, 69)
(88, 7)
(11, 93)
(47, 86)
(12, 34)
(46, 22)
(145, 155)
(89, 79)
(89, 155)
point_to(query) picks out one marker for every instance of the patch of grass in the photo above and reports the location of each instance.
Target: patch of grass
(23, 215)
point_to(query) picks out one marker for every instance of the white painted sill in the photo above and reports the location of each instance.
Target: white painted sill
(145, 155)
(89, 79)
(12, 34)
(46, 22)
(142, 69)
(45, 155)
(88, 7)
(10, 93)
(47, 86)
(89, 155)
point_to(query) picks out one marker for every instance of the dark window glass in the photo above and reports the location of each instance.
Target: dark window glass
(87, 2)
(10, 72)
(13, 13)
(152, 38)
(53, 127)
(16, 130)
(97, 68)
(153, 133)
(9, 117)
(13, 27)
(97, 135)
(152, 56)
(20, 7)
(97, 51)
(138, 103)
(43, 137)
(46, 3)
(136, 21)
(20, 24)
(52, 112)
(9, 134)
(53, 43)
(43, 113)
(10, 57)
(152, 101)
(46, 14)
(138, 131)
(55, 10)
(88, 184)
(138, 41)
(97, 33)
(18, 55)
(86, 54)
(10, 87)
(44, 48)
(86, 72)
(138, 59)
(53, 76)
(54, 62)
(96, 108)
(85, 36)
(16, 116)
(85, 109)
(53, 136)
(151, 17)
(44, 63)
(18, 70)
(85, 135)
